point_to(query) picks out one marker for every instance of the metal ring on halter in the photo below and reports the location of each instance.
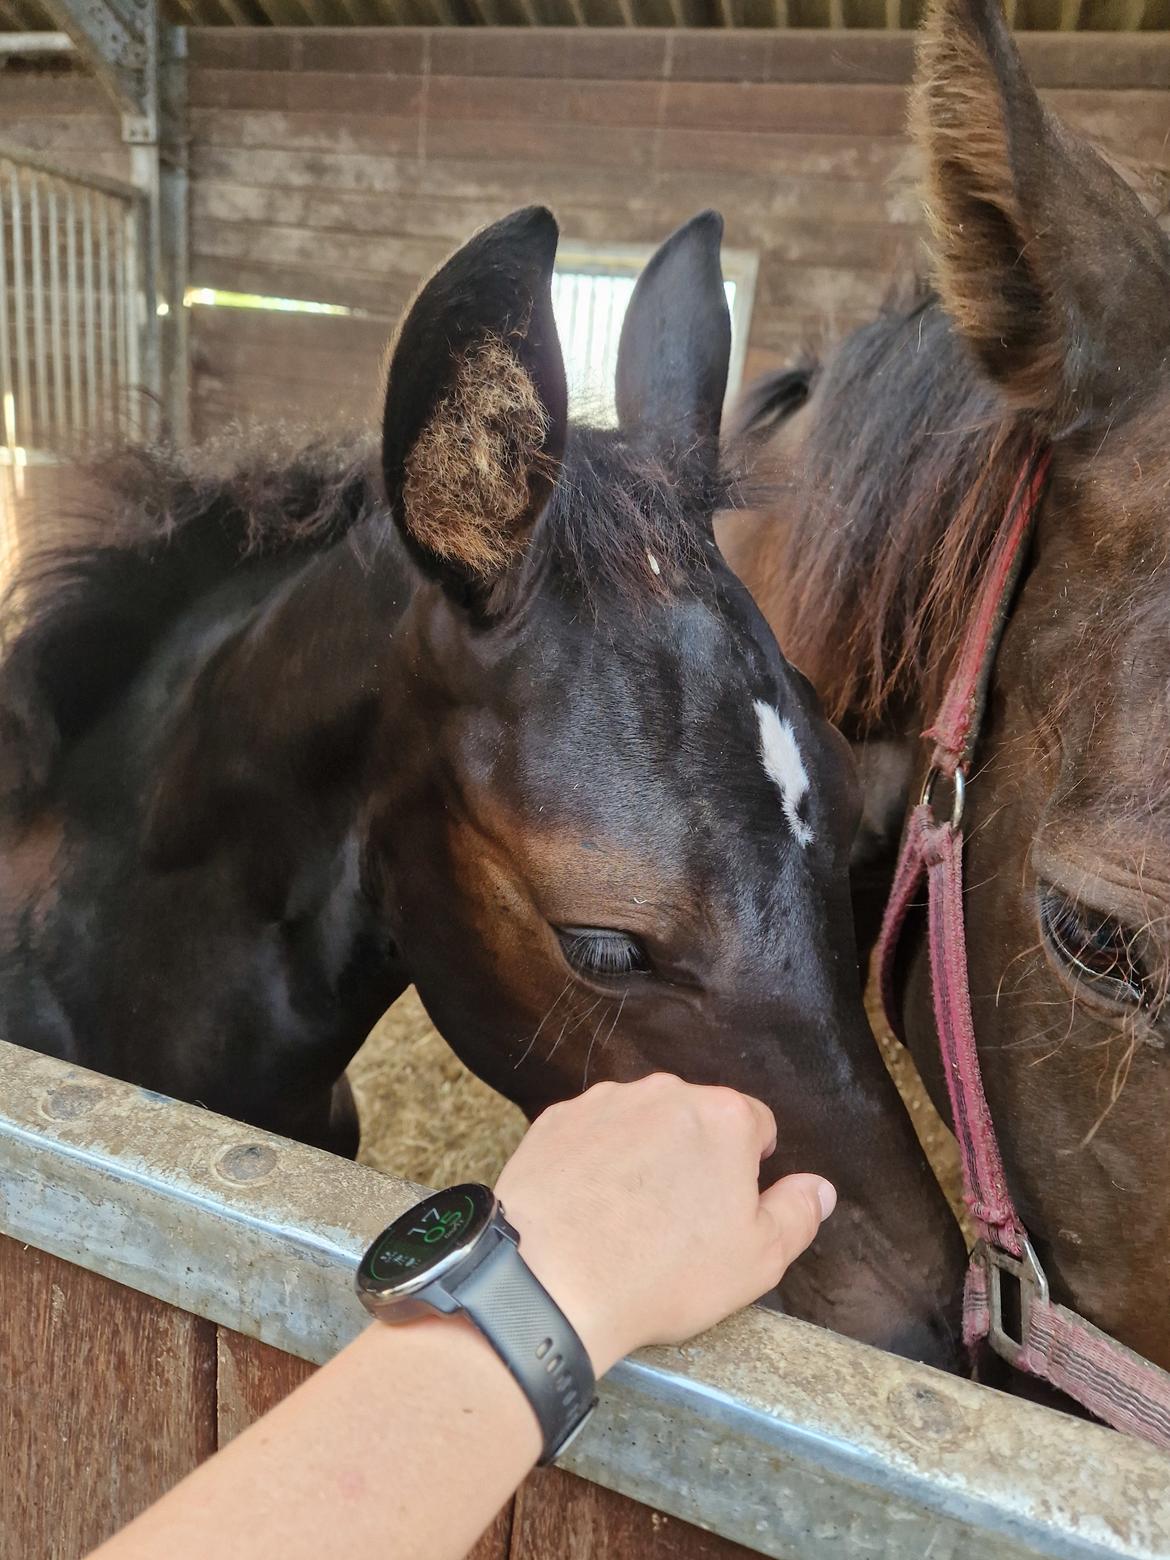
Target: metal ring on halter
(958, 780)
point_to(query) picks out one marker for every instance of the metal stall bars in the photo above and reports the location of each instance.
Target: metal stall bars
(74, 323)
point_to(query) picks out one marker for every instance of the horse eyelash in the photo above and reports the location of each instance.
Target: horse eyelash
(602, 953)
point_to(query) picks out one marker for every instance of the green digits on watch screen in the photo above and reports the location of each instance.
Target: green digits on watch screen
(421, 1239)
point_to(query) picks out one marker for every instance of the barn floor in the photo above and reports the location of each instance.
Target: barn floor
(424, 1116)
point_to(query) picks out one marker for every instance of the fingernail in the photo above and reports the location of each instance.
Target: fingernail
(827, 1197)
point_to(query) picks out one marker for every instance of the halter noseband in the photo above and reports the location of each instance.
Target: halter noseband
(1053, 1343)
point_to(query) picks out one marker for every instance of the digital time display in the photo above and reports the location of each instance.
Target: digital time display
(422, 1238)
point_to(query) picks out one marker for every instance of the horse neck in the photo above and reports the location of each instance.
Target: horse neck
(212, 862)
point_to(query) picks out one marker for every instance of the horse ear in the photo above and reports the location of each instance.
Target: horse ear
(676, 341)
(1047, 262)
(476, 405)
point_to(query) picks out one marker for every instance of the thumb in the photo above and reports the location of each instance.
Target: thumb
(796, 1207)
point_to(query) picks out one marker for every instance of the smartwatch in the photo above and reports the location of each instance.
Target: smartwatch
(455, 1253)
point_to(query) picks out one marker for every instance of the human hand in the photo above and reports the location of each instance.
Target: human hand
(639, 1209)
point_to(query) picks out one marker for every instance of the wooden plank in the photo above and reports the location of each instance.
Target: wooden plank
(562, 145)
(257, 404)
(337, 131)
(358, 292)
(57, 92)
(585, 102)
(798, 239)
(784, 108)
(400, 51)
(108, 1400)
(559, 1515)
(395, 97)
(387, 257)
(516, 180)
(612, 54)
(252, 1378)
(1121, 60)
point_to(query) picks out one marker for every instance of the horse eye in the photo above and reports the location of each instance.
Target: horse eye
(606, 954)
(1100, 951)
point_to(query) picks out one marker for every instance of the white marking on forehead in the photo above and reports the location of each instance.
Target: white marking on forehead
(784, 766)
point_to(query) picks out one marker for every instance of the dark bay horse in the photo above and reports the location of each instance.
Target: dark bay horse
(499, 722)
(1051, 326)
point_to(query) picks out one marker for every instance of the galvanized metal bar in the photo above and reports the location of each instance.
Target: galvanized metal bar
(74, 312)
(89, 309)
(121, 312)
(40, 355)
(60, 416)
(131, 226)
(6, 367)
(37, 162)
(105, 315)
(774, 1434)
(23, 414)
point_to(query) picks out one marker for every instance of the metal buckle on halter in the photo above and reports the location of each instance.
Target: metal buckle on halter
(959, 795)
(1031, 1287)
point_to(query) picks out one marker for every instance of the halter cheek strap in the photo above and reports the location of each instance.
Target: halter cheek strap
(1050, 1342)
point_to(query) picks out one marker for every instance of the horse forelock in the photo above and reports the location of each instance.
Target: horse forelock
(629, 522)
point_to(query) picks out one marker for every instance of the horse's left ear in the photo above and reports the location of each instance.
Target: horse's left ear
(476, 406)
(675, 344)
(1047, 262)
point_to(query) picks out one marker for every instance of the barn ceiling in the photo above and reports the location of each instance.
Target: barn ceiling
(1028, 15)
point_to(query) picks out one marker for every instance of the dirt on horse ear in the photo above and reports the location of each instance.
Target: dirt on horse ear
(1046, 261)
(675, 344)
(476, 407)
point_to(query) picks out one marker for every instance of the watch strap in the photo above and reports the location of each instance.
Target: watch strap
(506, 1301)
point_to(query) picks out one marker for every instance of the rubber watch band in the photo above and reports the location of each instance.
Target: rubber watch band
(536, 1341)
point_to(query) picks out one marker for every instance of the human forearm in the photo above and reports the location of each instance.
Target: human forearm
(406, 1444)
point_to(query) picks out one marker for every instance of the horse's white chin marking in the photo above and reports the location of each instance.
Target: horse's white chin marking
(784, 766)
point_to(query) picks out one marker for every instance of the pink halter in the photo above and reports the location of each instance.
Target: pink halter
(1053, 1343)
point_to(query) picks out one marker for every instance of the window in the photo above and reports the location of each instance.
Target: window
(591, 292)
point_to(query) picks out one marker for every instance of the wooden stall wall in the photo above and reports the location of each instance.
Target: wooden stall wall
(109, 1397)
(340, 166)
(343, 166)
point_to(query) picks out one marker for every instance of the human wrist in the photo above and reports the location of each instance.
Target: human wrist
(589, 1306)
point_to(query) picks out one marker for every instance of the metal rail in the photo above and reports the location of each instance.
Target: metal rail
(774, 1434)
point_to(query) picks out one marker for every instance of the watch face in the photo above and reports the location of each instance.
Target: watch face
(431, 1237)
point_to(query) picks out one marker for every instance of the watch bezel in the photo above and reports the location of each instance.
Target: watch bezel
(375, 1292)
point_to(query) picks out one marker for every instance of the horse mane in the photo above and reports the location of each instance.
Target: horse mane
(158, 531)
(905, 471)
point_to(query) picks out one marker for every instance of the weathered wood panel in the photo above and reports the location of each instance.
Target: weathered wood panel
(554, 1514)
(798, 139)
(254, 1378)
(107, 1398)
(562, 1516)
(341, 165)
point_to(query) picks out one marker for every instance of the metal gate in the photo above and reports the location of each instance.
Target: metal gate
(75, 311)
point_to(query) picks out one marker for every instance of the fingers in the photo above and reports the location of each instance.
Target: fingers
(764, 1126)
(796, 1207)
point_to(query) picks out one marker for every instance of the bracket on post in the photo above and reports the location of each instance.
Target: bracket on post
(118, 40)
